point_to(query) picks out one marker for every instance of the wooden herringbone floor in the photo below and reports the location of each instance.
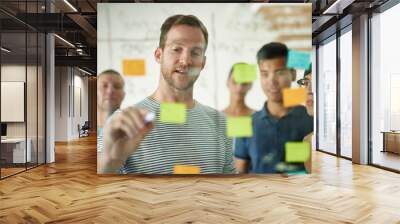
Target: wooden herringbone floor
(70, 191)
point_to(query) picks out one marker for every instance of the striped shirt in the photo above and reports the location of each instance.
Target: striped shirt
(200, 142)
(99, 139)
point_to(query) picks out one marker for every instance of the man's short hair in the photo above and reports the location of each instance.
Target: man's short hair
(307, 71)
(271, 51)
(175, 20)
(109, 72)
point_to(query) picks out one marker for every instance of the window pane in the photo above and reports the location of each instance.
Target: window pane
(31, 97)
(386, 89)
(327, 97)
(14, 149)
(41, 98)
(346, 94)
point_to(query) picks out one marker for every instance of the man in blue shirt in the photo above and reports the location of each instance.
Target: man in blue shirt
(273, 125)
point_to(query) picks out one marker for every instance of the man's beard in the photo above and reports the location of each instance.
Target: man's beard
(171, 82)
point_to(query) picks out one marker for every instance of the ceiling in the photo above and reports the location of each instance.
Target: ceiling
(331, 15)
(76, 24)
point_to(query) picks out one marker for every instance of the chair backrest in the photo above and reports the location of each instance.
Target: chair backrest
(86, 125)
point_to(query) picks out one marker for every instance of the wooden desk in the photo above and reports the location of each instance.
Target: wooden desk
(391, 141)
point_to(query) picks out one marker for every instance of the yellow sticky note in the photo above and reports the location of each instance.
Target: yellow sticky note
(239, 127)
(173, 113)
(297, 152)
(244, 73)
(186, 169)
(134, 67)
(294, 97)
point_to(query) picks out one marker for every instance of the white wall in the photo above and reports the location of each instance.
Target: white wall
(70, 84)
(236, 32)
(14, 73)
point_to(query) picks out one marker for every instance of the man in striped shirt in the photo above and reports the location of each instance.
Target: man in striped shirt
(132, 145)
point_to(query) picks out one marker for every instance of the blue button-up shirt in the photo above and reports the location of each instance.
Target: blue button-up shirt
(265, 149)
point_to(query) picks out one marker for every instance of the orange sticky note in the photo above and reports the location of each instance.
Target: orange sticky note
(186, 169)
(294, 97)
(134, 67)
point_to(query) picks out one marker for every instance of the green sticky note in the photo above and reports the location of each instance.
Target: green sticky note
(297, 152)
(298, 59)
(239, 127)
(173, 113)
(244, 73)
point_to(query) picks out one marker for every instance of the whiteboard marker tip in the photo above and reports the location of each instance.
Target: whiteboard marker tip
(149, 117)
